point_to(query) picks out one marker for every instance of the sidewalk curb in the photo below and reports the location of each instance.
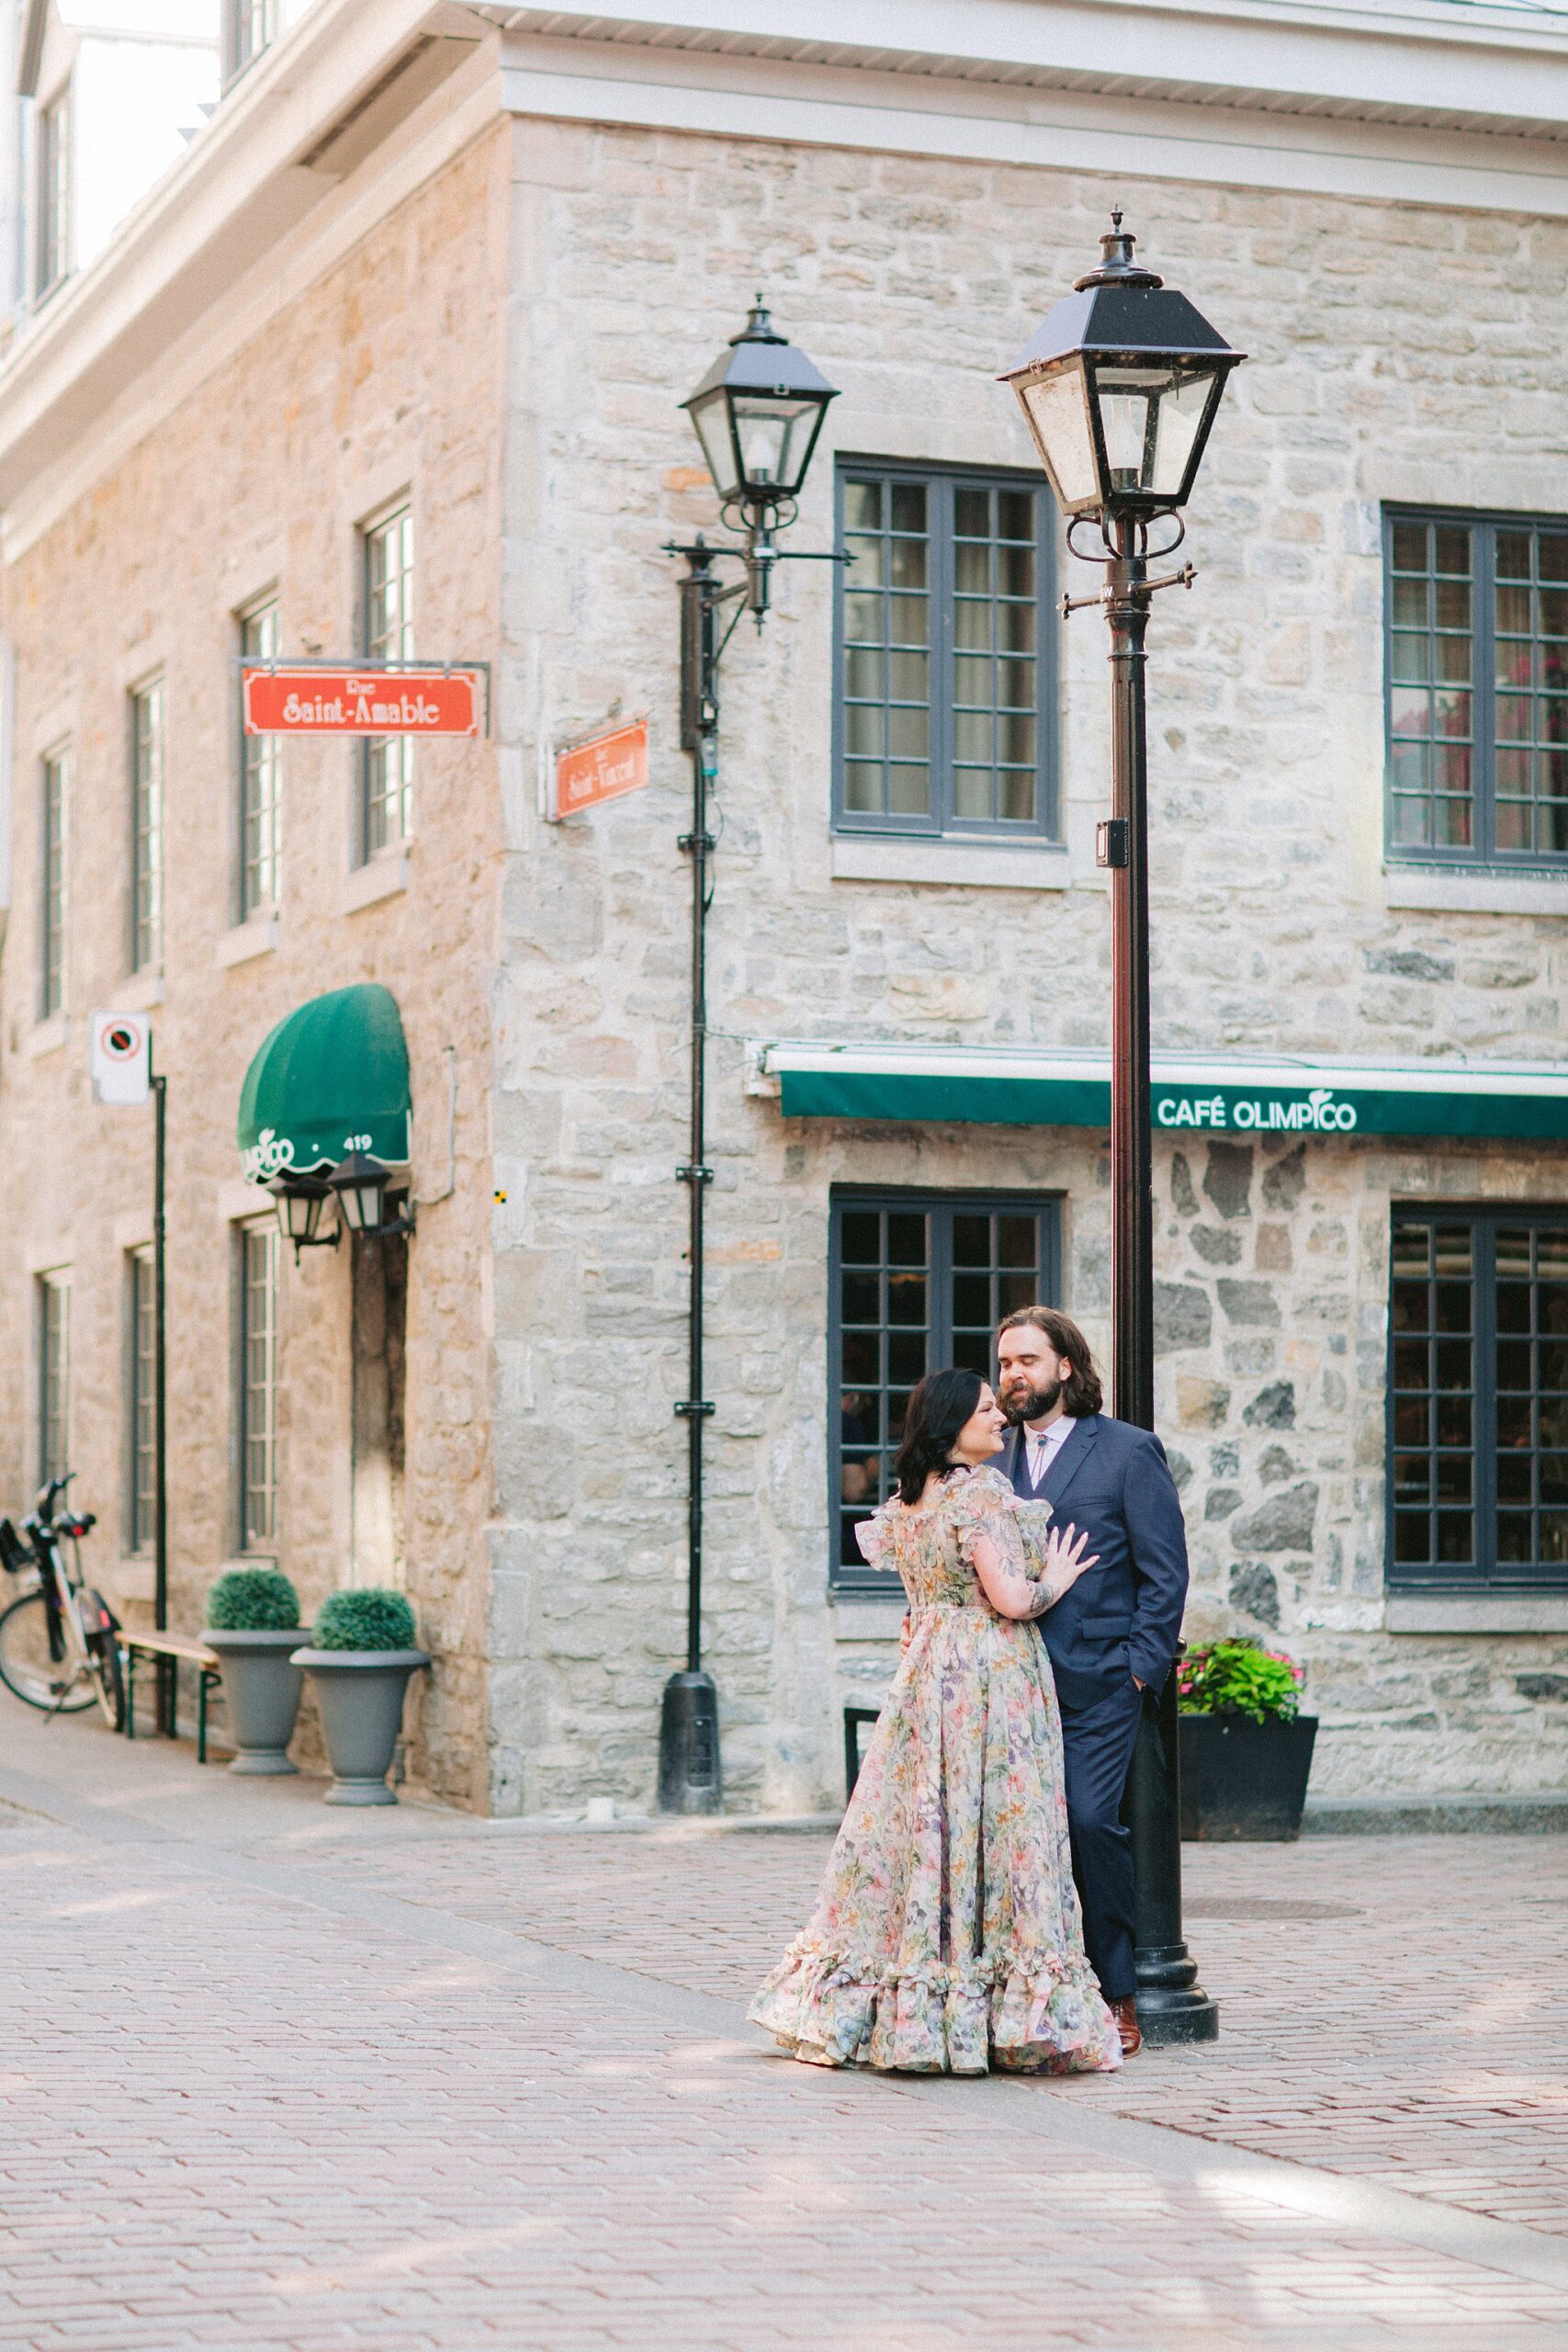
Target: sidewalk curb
(1544, 1814)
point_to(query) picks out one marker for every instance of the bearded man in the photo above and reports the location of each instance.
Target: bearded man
(1111, 1639)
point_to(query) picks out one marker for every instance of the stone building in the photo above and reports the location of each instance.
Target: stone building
(448, 272)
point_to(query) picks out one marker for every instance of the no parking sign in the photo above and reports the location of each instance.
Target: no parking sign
(122, 1058)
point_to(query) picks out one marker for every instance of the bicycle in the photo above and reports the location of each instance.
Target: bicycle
(59, 1640)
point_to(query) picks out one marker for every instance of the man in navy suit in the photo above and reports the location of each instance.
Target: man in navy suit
(1114, 1636)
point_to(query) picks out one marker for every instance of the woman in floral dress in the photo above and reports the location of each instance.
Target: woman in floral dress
(946, 1937)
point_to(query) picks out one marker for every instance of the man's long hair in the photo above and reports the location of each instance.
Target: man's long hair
(1081, 1393)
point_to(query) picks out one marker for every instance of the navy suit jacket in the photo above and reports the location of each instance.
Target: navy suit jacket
(1111, 1482)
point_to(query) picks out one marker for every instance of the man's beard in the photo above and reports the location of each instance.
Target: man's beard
(1032, 1404)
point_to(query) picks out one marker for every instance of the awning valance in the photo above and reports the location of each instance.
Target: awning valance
(331, 1077)
(1209, 1093)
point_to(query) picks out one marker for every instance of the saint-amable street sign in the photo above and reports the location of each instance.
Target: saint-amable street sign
(350, 700)
(122, 1059)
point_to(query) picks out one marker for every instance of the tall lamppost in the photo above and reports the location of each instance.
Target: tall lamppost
(758, 412)
(1120, 388)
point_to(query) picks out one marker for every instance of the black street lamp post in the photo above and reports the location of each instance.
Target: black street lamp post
(758, 412)
(1120, 388)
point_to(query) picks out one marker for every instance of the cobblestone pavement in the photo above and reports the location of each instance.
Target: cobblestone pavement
(1436, 1967)
(300, 2081)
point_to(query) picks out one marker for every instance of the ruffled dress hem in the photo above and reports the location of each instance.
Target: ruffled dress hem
(1017, 2012)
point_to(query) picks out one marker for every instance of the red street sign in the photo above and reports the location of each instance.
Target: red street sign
(600, 770)
(361, 702)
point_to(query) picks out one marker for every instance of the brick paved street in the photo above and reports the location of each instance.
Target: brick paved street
(283, 2078)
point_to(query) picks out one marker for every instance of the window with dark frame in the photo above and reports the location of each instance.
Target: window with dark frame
(147, 826)
(261, 779)
(52, 255)
(945, 659)
(1478, 1402)
(53, 1374)
(1477, 689)
(389, 637)
(55, 796)
(917, 1281)
(258, 1385)
(142, 1483)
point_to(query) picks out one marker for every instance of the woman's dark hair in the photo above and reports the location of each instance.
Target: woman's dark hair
(938, 1410)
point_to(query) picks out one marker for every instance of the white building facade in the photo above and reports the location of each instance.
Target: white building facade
(1359, 818)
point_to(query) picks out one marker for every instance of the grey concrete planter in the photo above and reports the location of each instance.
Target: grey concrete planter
(360, 1694)
(262, 1686)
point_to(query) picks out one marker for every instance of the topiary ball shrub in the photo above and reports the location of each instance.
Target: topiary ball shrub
(367, 1619)
(1239, 1677)
(252, 1600)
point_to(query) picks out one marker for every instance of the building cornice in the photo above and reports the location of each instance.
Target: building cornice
(1434, 63)
(1056, 129)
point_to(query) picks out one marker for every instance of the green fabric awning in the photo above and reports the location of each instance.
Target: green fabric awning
(331, 1077)
(1217, 1093)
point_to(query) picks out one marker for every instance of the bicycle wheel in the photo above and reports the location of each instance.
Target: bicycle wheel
(26, 1668)
(108, 1679)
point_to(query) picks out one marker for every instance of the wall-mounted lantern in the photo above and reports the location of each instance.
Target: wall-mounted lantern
(360, 1185)
(300, 1200)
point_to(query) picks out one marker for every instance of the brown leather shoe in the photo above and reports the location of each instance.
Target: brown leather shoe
(1126, 2016)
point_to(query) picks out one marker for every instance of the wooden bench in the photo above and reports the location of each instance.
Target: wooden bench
(173, 1651)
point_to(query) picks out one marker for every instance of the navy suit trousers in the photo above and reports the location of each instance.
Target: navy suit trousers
(1097, 1754)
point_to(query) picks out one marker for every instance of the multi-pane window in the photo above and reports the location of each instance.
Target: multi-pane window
(261, 781)
(1478, 689)
(143, 1416)
(389, 637)
(51, 259)
(53, 1374)
(945, 653)
(147, 825)
(918, 1281)
(252, 26)
(1478, 1402)
(258, 1385)
(54, 816)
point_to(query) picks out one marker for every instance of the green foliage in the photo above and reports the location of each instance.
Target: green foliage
(252, 1600)
(1239, 1677)
(370, 1618)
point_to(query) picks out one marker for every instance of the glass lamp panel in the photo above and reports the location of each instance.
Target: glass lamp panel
(300, 1214)
(775, 437)
(1128, 401)
(1057, 415)
(362, 1205)
(711, 418)
(1181, 428)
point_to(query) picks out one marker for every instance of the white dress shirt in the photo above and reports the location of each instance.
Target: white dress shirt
(1044, 1447)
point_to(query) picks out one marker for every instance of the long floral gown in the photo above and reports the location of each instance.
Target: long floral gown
(946, 1937)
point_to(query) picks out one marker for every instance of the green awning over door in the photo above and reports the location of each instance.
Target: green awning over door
(332, 1078)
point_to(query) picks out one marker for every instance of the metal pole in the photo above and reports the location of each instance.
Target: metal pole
(689, 1779)
(160, 1398)
(1171, 2005)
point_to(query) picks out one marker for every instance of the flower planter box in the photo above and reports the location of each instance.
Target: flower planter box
(1243, 1780)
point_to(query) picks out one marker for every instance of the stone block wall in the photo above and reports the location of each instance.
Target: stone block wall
(1396, 353)
(338, 398)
